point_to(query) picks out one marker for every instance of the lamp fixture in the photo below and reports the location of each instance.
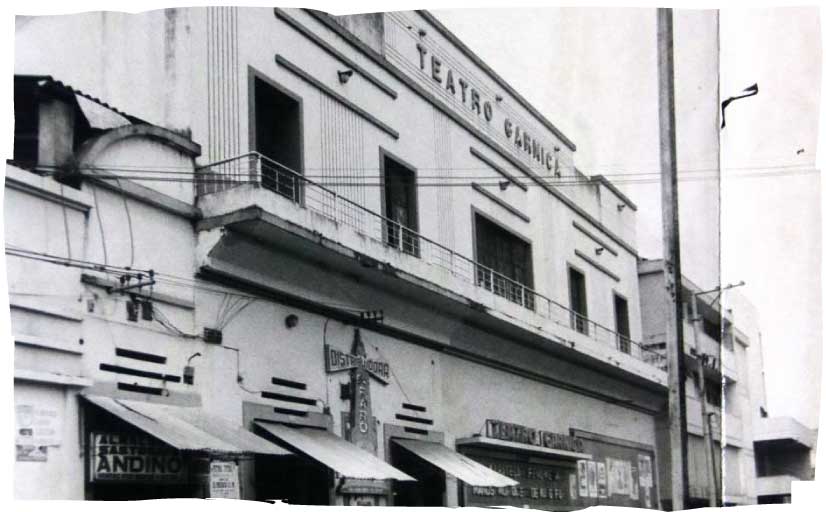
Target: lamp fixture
(503, 185)
(291, 321)
(620, 207)
(599, 250)
(345, 75)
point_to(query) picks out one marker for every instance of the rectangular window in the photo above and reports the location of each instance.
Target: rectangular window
(278, 137)
(26, 122)
(505, 263)
(400, 206)
(712, 329)
(621, 324)
(579, 301)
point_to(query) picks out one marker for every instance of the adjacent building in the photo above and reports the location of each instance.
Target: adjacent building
(719, 347)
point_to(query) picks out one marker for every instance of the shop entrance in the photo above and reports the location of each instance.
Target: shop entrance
(293, 479)
(429, 488)
(126, 464)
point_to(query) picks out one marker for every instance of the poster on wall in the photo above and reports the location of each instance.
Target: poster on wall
(602, 480)
(582, 473)
(646, 476)
(572, 486)
(37, 426)
(593, 490)
(223, 480)
(619, 476)
(647, 494)
(32, 453)
(635, 485)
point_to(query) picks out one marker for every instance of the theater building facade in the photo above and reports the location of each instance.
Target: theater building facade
(275, 254)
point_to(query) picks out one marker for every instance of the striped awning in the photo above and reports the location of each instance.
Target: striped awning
(334, 452)
(187, 428)
(465, 469)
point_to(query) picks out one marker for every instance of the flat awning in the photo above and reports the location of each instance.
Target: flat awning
(334, 452)
(187, 428)
(465, 469)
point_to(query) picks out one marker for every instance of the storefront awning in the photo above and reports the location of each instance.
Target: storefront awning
(187, 428)
(465, 469)
(335, 453)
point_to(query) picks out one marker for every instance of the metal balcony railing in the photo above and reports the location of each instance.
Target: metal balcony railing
(260, 171)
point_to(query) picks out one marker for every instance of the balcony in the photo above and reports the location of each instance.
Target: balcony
(304, 202)
(784, 429)
(775, 485)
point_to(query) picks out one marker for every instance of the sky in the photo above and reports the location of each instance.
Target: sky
(593, 73)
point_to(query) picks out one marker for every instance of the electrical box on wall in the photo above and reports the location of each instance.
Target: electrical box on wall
(214, 336)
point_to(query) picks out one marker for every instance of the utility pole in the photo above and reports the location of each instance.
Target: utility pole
(678, 434)
(708, 435)
(704, 418)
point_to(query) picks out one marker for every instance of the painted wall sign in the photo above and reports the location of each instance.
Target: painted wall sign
(505, 431)
(463, 89)
(128, 457)
(223, 480)
(541, 486)
(338, 361)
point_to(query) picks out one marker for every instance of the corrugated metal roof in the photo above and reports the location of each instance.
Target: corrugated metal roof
(335, 453)
(187, 428)
(465, 469)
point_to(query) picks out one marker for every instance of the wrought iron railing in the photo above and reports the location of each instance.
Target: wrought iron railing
(258, 170)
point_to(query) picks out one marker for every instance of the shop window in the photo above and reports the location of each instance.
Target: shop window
(277, 136)
(622, 324)
(400, 207)
(504, 263)
(579, 301)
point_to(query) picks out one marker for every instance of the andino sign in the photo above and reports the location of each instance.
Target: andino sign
(134, 458)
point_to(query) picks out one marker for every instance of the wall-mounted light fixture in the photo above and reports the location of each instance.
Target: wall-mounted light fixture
(599, 250)
(620, 207)
(503, 185)
(291, 321)
(422, 32)
(499, 98)
(344, 75)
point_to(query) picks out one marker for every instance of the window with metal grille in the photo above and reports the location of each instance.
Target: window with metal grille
(579, 301)
(505, 266)
(277, 121)
(621, 324)
(400, 207)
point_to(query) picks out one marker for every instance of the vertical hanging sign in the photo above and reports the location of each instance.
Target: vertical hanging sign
(362, 432)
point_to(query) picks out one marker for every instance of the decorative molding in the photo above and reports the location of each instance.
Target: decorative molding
(596, 265)
(327, 47)
(579, 227)
(141, 193)
(510, 177)
(51, 378)
(500, 202)
(300, 73)
(61, 313)
(48, 343)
